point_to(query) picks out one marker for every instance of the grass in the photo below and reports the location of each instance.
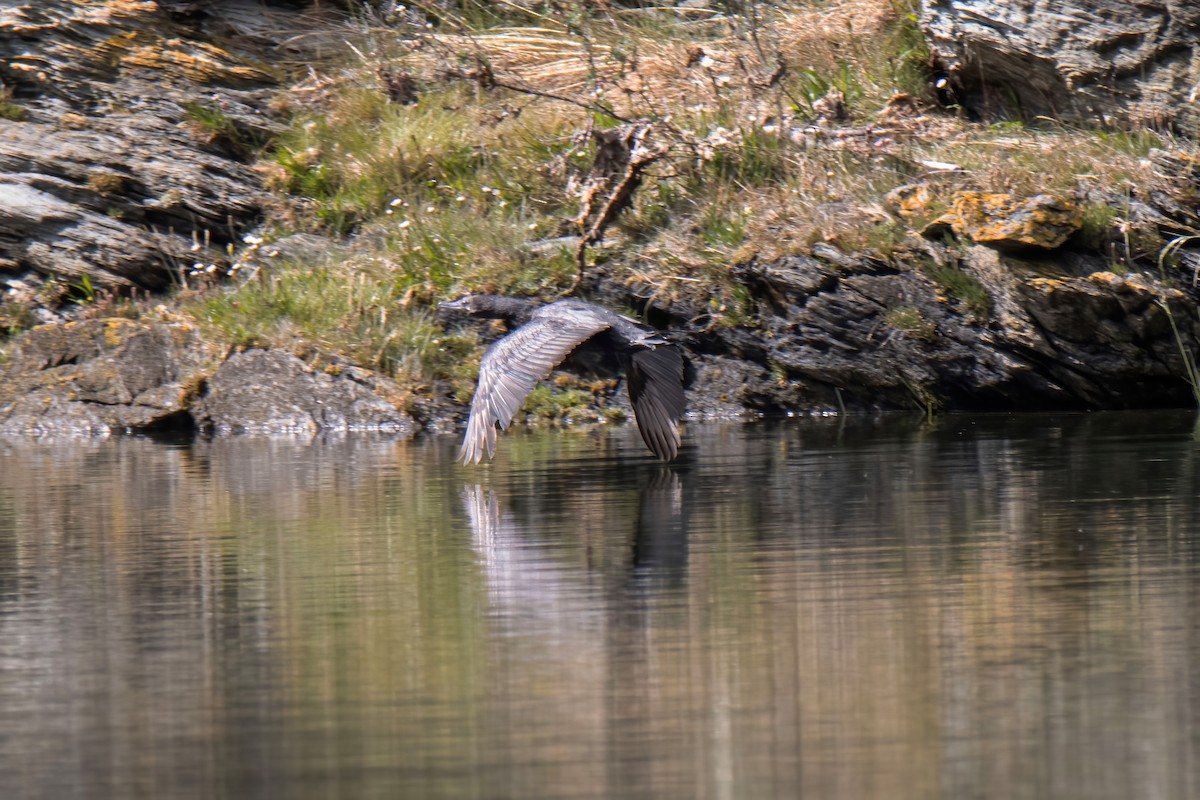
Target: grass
(14, 112)
(335, 307)
(962, 286)
(9, 110)
(909, 320)
(214, 126)
(475, 186)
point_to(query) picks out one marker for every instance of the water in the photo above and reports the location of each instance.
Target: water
(974, 607)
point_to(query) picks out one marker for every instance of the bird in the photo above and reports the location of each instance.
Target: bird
(540, 338)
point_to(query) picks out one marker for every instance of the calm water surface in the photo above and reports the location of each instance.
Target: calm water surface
(973, 607)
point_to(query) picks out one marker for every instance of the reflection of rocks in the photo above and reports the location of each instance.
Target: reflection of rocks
(269, 391)
(94, 376)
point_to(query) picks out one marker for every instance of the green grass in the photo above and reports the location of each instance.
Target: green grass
(1097, 228)
(910, 320)
(963, 286)
(358, 313)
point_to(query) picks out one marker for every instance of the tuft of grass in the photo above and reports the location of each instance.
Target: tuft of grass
(1097, 228)
(909, 320)
(963, 286)
(9, 110)
(15, 318)
(107, 183)
(214, 126)
(14, 112)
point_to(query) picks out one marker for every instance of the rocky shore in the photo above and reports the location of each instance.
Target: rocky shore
(126, 167)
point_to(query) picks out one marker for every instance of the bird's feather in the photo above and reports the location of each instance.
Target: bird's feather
(655, 382)
(512, 367)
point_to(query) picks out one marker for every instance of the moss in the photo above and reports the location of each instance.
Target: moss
(550, 404)
(11, 111)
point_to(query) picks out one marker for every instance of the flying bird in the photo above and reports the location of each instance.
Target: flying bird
(544, 337)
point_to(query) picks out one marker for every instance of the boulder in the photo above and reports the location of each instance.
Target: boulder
(270, 391)
(96, 376)
(1043, 222)
(123, 143)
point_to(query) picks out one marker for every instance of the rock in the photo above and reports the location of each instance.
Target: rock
(270, 391)
(1042, 222)
(97, 376)
(903, 336)
(126, 165)
(1094, 62)
(911, 201)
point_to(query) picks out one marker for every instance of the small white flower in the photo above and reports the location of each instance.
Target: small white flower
(395, 202)
(430, 210)
(406, 223)
(460, 199)
(250, 238)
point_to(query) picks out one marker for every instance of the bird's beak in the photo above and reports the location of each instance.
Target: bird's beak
(453, 305)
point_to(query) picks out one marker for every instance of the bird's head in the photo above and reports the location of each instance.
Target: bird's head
(490, 306)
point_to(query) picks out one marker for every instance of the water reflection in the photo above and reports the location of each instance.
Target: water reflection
(978, 606)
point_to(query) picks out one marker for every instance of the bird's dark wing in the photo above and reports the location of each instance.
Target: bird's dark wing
(512, 367)
(656, 392)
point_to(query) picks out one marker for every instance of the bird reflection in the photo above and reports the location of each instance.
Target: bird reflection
(660, 539)
(528, 575)
(522, 579)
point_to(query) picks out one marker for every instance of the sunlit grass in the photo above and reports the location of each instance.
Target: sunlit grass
(332, 308)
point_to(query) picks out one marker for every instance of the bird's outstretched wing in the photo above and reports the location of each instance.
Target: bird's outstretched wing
(656, 392)
(512, 367)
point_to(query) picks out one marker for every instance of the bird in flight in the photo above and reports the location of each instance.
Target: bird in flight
(543, 337)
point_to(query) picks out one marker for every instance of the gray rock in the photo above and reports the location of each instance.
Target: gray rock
(1086, 61)
(1061, 334)
(97, 376)
(270, 391)
(126, 164)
